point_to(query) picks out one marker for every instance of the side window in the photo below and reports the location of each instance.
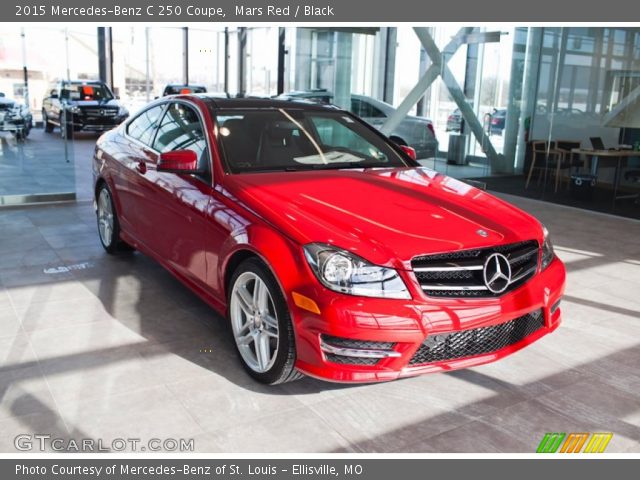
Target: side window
(143, 127)
(365, 110)
(180, 129)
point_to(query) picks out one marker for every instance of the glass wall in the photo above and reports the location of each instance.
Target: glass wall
(514, 108)
(36, 165)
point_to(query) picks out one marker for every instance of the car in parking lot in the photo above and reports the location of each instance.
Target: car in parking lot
(416, 132)
(81, 105)
(497, 123)
(454, 121)
(331, 252)
(180, 88)
(15, 117)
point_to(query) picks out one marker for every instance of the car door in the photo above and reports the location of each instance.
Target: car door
(177, 204)
(137, 161)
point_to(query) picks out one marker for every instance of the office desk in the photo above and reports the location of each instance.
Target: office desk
(610, 156)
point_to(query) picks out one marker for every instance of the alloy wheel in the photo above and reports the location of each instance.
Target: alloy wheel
(254, 322)
(105, 217)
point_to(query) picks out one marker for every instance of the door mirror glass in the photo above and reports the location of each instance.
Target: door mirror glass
(178, 161)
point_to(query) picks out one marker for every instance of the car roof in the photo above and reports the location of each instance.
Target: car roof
(266, 103)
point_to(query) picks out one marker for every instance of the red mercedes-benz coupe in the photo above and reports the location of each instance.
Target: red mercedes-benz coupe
(329, 249)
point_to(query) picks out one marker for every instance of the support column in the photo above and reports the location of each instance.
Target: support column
(226, 59)
(425, 81)
(530, 75)
(242, 60)
(457, 94)
(105, 56)
(185, 55)
(342, 65)
(282, 51)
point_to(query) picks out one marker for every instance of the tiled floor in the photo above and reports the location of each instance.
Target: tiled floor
(112, 347)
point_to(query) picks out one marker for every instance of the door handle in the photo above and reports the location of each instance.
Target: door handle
(141, 167)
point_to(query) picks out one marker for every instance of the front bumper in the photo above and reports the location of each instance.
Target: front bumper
(403, 326)
(95, 125)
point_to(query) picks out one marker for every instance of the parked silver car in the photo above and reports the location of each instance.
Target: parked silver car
(416, 132)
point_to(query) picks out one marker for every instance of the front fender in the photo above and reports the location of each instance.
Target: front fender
(283, 256)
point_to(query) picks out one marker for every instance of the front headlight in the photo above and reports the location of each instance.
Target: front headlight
(547, 249)
(344, 272)
(74, 109)
(123, 112)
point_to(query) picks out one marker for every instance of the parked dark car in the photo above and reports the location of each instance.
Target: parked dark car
(454, 121)
(81, 105)
(15, 117)
(182, 89)
(498, 118)
(415, 132)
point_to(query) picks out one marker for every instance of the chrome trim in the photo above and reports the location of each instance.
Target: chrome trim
(452, 287)
(357, 352)
(524, 274)
(447, 269)
(28, 199)
(524, 255)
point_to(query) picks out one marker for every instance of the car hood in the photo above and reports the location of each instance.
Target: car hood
(387, 216)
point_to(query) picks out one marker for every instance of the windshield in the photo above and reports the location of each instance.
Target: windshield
(291, 140)
(81, 92)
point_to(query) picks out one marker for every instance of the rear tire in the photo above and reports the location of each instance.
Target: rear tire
(108, 224)
(261, 324)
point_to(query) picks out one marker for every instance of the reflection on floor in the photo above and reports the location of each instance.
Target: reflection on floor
(44, 164)
(601, 199)
(113, 347)
(470, 170)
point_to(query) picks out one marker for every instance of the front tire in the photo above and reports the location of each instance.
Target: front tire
(48, 126)
(261, 324)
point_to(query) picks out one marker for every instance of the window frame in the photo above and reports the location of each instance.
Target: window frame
(165, 106)
(193, 107)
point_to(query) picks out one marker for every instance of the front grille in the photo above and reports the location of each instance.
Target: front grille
(477, 341)
(100, 112)
(460, 274)
(351, 360)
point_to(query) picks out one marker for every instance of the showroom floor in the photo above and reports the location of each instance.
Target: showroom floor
(113, 347)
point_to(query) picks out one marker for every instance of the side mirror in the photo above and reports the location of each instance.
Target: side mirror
(409, 151)
(178, 161)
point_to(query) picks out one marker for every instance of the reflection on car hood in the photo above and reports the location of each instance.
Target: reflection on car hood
(385, 215)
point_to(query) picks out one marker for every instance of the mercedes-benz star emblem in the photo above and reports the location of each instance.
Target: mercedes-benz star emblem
(497, 273)
(102, 112)
(482, 233)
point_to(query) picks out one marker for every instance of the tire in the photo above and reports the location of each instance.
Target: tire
(48, 127)
(107, 218)
(270, 330)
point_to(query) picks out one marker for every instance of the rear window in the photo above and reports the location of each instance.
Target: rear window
(291, 140)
